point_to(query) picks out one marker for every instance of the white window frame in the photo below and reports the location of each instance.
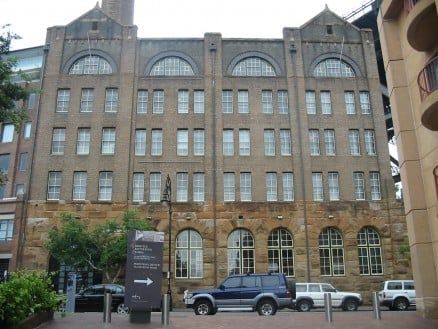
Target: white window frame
(138, 187)
(314, 142)
(182, 187)
(105, 186)
(111, 100)
(83, 141)
(370, 252)
(359, 185)
(229, 187)
(158, 102)
(288, 186)
(267, 102)
(140, 142)
(244, 142)
(198, 142)
(271, 186)
(317, 186)
(330, 142)
(188, 255)
(8, 130)
(285, 142)
(79, 185)
(183, 101)
(157, 142)
(142, 101)
(283, 102)
(333, 184)
(108, 141)
(58, 141)
(326, 102)
(228, 142)
(245, 187)
(27, 130)
(87, 100)
(63, 101)
(182, 142)
(331, 253)
(375, 186)
(365, 103)
(269, 142)
(227, 101)
(350, 104)
(310, 102)
(54, 185)
(198, 102)
(354, 140)
(243, 101)
(198, 187)
(154, 187)
(370, 142)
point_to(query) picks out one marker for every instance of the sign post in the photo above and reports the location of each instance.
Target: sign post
(143, 274)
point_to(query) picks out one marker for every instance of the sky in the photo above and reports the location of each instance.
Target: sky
(173, 18)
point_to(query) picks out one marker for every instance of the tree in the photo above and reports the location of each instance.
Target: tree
(102, 248)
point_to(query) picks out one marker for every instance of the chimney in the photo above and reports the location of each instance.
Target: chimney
(120, 10)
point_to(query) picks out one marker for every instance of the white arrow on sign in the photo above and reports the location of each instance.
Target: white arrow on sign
(147, 281)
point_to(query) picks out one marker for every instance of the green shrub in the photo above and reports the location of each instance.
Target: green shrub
(25, 294)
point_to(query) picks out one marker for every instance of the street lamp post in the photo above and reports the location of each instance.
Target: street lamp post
(167, 198)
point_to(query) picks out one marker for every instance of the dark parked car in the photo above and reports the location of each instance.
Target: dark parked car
(91, 299)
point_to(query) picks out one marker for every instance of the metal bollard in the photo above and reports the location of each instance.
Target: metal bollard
(376, 306)
(328, 307)
(165, 310)
(107, 301)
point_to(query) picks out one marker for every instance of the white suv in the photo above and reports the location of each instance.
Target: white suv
(311, 295)
(397, 294)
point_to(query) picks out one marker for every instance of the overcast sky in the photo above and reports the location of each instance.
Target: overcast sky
(174, 18)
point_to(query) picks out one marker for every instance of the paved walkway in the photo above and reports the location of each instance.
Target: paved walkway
(223, 320)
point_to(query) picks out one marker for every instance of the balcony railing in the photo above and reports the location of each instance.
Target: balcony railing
(428, 78)
(409, 4)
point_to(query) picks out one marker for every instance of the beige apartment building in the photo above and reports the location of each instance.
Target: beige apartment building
(408, 31)
(276, 149)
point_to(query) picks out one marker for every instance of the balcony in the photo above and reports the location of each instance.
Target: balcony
(421, 21)
(428, 84)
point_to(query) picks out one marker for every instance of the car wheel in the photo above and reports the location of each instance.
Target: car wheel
(350, 305)
(266, 307)
(203, 307)
(122, 309)
(304, 306)
(401, 304)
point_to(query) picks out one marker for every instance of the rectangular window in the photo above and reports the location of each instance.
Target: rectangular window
(350, 105)
(242, 101)
(283, 102)
(288, 186)
(353, 138)
(269, 141)
(108, 140)
(182, 187)
(6, 228)
(244, 142)
(359, 186)
(58, 141)
(198, 187)
(79, 185)
(330, 142)
(140, 142)
(326, 102)
(245, 186)
(183, 101)
(182, 137)
(267, 106)
(365, 105)
(198, 142)
(22, 162)
(285, 142)
(333, 182)
(142, 101)
(314, 141)
(271, 186)
(83, 142)
(87, 100)
(155, 187)
(54, 185)
(105, 185)
(27, 130)
(63, 101)
(157, 142)
(31, 101)
(4, 163)
(198, 101)
(138, 187)
(375, 185)
(158, 102)
(19, 190)
(310, 102)
(370, 142)
(8, 133)
(318, 190)
(227, 101)
(228, 142)
(229, 187)
(111, 100)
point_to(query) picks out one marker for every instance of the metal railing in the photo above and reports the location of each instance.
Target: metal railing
(409, 4)
(428, 78)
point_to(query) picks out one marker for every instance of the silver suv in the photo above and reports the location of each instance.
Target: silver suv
(397, 294)
(311, 295)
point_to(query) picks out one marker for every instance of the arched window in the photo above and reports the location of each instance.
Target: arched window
(370, 252)
(253, 67)
(91, 64)
(331, 252)
(281, 252)
(188, 255)
(240, 252)
(172, 66)
(333, 68)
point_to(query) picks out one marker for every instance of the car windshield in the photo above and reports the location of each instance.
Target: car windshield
(328, 288)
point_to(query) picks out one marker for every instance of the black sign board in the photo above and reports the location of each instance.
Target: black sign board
(143, 270)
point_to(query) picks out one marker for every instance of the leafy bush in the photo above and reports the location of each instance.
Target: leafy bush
(25, 294)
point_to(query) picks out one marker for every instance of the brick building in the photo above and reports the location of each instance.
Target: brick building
(275, 148)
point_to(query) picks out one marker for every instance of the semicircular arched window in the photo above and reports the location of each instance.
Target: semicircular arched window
(281, 252)
(172, 66)
(253, 67)
(240, 252)
(188, 257)
(370, 252)
(91, 64)
(331, 252)
(333, 68)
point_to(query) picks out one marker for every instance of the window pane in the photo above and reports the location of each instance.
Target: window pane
(54, 185)
(157, 142)
(271, 187)
(285, 142)
(182, 142)
(314, 141)
(87, 100)
(318, 191)
(198, 106)
(142, 101)
(267, 102)
(158, 102)
(288, 186)
(353, 137)
(183, 101)
(172, 66)
(229, 187)
(58, 141)
(140, 142)
(228, 142)
(83, 141)
(365, 105)
(245, 186)
(269, 140)
(79, 185)
(370, 144)
(242, 101)
(155, 187)
(330, 144)
(375, 186)
(111, 100)
(138, 187)
(227, 101)
(310, 102)
(63, 100)
(244, 142)
(182, 186)
(8, 133)
(283, 102)
(108, 140)
(350, 106)
(359, 186)
(105, 185)
(198, 142)
(22, 164)
(326, 103)
(198, 187)
(333, 181)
